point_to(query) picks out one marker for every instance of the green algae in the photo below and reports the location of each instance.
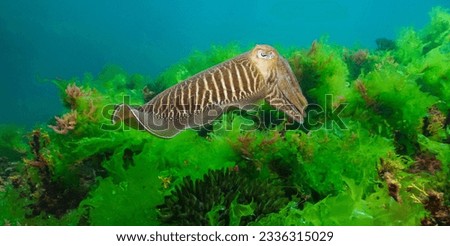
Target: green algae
(375, 152)
(12, 146)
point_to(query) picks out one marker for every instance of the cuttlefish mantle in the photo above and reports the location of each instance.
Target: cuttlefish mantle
(244, 80)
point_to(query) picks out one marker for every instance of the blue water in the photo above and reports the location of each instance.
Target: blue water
(53, 38)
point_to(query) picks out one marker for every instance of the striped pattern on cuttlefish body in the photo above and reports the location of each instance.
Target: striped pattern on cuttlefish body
(239, 82)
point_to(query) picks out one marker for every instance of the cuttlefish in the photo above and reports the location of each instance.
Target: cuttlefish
(259, 74)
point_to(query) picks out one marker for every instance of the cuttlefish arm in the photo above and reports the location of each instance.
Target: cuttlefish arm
(244, 80)
(286, 94)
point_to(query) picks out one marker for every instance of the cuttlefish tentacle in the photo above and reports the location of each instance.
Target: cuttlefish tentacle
(244, 80)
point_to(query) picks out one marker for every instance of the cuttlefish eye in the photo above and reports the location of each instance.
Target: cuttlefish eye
(265, 55)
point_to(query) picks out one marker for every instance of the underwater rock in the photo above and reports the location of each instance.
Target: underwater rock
(384, 44)
(240, 82)
(213, 200)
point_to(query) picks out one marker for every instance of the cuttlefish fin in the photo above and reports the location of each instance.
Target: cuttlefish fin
(142, 120)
